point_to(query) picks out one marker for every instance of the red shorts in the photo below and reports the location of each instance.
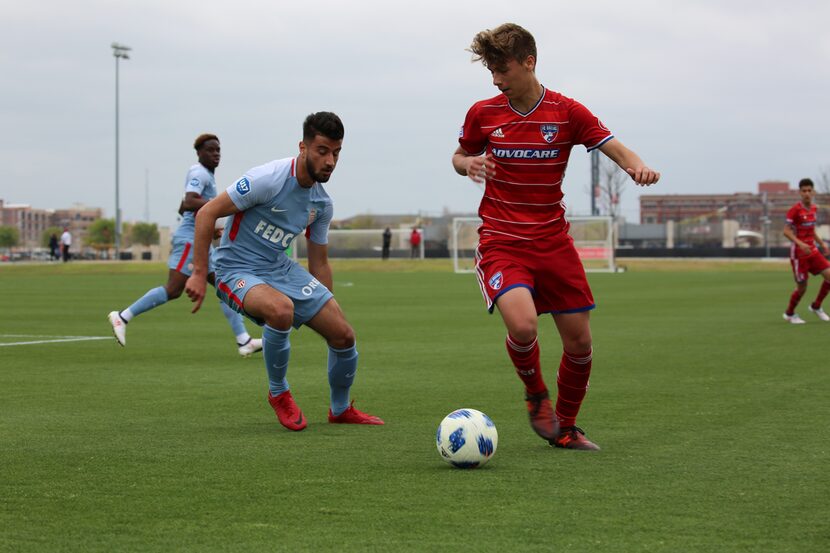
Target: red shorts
(814, 264)
(552, 271)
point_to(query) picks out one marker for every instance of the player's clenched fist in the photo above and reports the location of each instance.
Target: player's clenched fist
(644, 175)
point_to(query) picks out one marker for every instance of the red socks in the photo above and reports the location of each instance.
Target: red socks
(794, 299)
(572, 380)
(525, 358)
(822, 293)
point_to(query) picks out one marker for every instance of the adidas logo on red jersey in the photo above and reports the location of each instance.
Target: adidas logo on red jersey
(497, 133)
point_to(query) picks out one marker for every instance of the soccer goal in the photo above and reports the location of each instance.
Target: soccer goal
(365, 243)
(593, 238)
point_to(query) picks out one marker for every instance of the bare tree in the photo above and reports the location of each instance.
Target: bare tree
(612, 183)
(823, 182)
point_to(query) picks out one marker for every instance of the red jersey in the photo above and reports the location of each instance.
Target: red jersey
(523, 199)
(803, 221)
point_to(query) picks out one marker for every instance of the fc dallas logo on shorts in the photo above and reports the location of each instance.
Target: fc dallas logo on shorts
(240, 284)
(495, 281)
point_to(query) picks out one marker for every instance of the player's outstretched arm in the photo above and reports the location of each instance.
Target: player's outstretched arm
(206, 217)
(318, 264)
(477, 167)
(629, 162)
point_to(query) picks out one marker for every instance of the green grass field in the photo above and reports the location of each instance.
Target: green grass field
(711, 411)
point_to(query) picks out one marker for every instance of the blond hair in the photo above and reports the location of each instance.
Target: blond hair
(495, 47)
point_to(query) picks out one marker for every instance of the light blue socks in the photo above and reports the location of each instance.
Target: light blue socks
(342, 368)
(150, 300)
(276, 350)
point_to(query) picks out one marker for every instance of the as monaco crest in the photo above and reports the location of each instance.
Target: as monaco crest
(549, 132)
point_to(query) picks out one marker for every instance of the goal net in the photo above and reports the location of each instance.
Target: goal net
(364, 243)
(593, 238)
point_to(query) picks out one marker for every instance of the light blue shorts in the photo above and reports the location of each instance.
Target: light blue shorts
(308, 294)
(181, 256)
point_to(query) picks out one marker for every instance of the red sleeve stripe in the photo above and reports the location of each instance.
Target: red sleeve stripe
(224, 288)
(293, 167)
(183, 258)
(237, 219)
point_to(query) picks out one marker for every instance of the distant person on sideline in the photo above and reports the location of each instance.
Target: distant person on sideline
(66, 243)
(271, 205)
(804, 255)
(517, 143)
(415, 243)
(54, 247)
(387, 242)
(199, 188)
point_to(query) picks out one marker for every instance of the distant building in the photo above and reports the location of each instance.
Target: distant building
(748, 209)
(31, 222)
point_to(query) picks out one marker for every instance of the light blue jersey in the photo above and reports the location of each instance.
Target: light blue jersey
(274, 210)
(202, 182)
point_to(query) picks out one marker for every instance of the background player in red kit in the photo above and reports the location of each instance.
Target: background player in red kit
(804, 256)
(518, 144)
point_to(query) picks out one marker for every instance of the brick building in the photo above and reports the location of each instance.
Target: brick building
(746, 208)
(31, 222)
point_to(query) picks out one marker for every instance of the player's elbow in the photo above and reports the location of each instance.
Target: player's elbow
(205, 215)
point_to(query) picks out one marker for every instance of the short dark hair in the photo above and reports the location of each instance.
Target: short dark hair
(202, 138)
(806, 182)
(325, 123)
(494, 48)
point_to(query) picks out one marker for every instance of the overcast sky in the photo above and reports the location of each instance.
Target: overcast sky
(715, 94)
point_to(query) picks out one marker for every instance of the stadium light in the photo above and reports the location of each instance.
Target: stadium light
(119, 51)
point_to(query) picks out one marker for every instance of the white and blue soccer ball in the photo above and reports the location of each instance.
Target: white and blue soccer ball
(466, 438)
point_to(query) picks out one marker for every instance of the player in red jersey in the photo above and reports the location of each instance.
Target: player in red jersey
(518, 143)
(804, 255)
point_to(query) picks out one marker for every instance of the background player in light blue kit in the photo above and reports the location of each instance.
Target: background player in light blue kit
(271, 205)
(199, 187)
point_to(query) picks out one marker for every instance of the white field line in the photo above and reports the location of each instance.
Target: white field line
(53, 340)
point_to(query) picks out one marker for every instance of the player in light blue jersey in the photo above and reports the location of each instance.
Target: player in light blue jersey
(271, 205)
(199, 188)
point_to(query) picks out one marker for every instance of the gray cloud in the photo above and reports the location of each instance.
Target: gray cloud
(715, 96)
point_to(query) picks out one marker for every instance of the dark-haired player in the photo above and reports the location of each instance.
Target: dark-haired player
(518, 143)
(804, 256)
(199, 188)
(271, 205)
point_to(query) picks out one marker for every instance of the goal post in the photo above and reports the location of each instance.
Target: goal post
(593, 237)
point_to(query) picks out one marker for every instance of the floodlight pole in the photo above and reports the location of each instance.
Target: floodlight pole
(767, 222)
(119, 51)
(594, 181)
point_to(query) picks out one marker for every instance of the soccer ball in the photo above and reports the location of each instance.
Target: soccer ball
(466, 438)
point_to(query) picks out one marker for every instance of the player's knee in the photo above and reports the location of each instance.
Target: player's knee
(173, 292)
(280, 314)
(577, 343)
(525, 331)
(342, 338)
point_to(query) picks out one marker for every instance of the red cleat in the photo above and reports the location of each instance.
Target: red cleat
(573, 437)
(353, 416)
(542, 419)
(287, 411)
